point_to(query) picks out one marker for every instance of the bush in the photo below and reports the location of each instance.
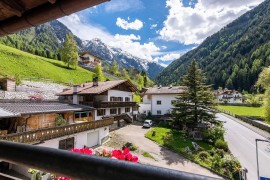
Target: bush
(212, 152)
(220, 152)
(216, 163)
(211, 135)
(203, 155)
(130, 146)
(220, 144)
(59, 120)
(230, 163)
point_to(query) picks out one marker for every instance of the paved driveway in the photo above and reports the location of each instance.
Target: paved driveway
(163, 157)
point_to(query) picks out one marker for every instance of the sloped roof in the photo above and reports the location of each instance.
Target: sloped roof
(11, 109)
(166, 90)
(88, 88)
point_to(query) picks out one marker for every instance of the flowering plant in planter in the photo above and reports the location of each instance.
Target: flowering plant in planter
(123, 155)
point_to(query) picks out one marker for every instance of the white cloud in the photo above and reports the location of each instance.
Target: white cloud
(86, 31)
(123, 5)
(135, 25)
(167, 57)
(153, 26)
(131, 44)
(190, 25)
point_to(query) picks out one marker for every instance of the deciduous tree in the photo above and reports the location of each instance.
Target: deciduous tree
(69, 51)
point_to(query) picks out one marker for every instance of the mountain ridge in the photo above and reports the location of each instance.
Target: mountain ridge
(232, 57)
(46, 39)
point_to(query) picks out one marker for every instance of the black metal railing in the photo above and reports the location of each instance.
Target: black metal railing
(85, 167)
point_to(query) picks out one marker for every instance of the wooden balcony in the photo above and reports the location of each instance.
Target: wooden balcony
(35, 136)
(109, 104)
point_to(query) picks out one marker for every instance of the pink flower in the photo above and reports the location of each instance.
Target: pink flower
(135, 159)
(129, 157)
(126, 150)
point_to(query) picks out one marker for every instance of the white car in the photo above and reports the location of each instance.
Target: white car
(147, 123)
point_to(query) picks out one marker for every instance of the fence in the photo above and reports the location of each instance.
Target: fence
(256, 123)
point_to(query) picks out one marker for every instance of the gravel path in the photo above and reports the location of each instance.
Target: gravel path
(162, 156)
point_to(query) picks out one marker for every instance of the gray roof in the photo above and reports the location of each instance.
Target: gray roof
(20, 108)
(166, 90)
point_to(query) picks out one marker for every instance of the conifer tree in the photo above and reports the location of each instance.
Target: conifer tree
(114, 68)
(69, 52)
(193, 106)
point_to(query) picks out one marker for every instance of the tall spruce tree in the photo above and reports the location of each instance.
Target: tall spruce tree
(99, 73)
(69, 52)
(193, 106)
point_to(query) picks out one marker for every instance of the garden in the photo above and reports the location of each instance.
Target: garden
(212, 152)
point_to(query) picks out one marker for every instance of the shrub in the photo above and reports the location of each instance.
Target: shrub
(220, 144)
(211, 135)
(212, 152)
(203, 155)
(130, 146)
(220, 152)
(230, 163)
(59, 120)
(216, 162)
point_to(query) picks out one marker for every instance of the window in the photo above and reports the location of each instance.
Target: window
(66, 144)
(120, 99)
(112, 98)
(101, 112)
(158, 112)
(158, 102)
(127, 99)
(113, 111)
(127, 110)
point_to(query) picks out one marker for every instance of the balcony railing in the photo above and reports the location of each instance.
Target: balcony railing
(39, 135)
(84, 167)
(109, 104)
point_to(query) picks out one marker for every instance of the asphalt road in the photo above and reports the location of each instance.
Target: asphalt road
(241, 141)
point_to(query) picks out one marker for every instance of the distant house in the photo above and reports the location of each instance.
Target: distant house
(159, 100)
(228, 96)
(89, 59)
(7, 84)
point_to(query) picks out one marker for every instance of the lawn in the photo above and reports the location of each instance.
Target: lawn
(14, 61)
(244, 110)
(174, 139)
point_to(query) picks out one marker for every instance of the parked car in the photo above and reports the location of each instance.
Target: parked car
(147, 123)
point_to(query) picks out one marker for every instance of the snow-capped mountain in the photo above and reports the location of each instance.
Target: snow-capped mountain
(123, 58)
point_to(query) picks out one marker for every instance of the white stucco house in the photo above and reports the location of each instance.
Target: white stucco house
(228, 96)
(109, 98)
(89, 59)
(159, 100)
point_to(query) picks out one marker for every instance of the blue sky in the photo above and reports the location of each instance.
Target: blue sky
(156, 30)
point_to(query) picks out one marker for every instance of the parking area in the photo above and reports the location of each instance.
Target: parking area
(162, 157)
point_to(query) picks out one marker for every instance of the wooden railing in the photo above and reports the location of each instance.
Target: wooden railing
(108, 104)
(35, 136)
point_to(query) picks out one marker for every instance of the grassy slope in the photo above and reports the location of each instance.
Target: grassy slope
(13, 61)
(244, 111)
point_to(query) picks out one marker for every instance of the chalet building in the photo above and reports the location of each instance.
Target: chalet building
(159, 100)
(109, 98)
(228, 96)
(89, 59)
(37, 123)
(7, 84)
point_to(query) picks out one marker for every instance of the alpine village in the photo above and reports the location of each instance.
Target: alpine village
(137, 89)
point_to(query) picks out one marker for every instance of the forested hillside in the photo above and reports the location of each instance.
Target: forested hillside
(231, 58)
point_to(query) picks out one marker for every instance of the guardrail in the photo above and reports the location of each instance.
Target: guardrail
(31, 137)
(85, 167)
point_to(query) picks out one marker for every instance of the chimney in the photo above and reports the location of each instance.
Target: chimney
(76, 89)
(95, 81)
